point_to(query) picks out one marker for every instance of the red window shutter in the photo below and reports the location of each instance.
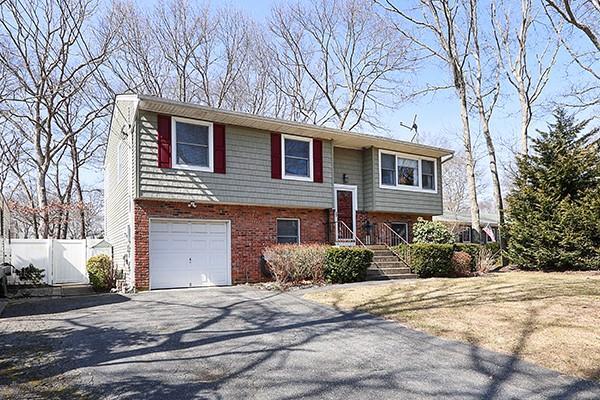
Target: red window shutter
(318, 160)
(164, 141)
(275, 155)
(219, 148)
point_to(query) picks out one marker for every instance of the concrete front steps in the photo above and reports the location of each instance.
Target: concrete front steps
(386, 265)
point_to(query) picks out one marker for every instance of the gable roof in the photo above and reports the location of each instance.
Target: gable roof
(340, 138)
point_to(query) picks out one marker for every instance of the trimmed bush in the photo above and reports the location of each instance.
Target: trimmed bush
(461, 264)
(431, 232)
(291, 263)
(347, 264)
(471, 249)
(101, 272)
(429, 259)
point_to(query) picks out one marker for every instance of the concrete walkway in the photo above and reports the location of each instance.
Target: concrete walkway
(240, 342)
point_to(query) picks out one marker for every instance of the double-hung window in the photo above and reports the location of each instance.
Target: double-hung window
(428, 174)
(388, 169)
(407, 172)
(297, 157)
(466, 235)
(288, 230)
(192, 144)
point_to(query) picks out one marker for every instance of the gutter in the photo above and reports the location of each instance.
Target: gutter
(447, 158)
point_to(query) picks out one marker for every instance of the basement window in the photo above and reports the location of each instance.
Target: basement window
(288, 230)
(401, 229)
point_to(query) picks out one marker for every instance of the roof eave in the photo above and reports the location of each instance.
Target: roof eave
(337, 136)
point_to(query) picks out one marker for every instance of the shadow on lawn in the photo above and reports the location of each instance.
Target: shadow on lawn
(260, 337)
(501, 374)
(451, 295)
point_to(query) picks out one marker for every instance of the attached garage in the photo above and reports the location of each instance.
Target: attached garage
(188, 253)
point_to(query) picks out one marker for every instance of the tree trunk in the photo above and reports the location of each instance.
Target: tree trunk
(525, 120)
(42, 197)
(76, 164)
(493, 166)
(82, 223)
(470, 164)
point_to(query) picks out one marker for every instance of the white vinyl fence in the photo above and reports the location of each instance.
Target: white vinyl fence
(63, 261)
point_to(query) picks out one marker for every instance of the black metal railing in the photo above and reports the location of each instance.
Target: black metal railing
(383, 234)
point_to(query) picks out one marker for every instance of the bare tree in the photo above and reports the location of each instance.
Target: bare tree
(338, 62)
(582, 19)
(16, 164)
(449, 26)
(47, 52)
(135, 66)
(455, 188)
(484, 80)
(212, 57)
(526, 56)
(578, 16)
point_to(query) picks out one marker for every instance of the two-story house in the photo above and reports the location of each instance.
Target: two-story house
(193, 194)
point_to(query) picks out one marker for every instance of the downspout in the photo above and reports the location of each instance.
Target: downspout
(133, 187)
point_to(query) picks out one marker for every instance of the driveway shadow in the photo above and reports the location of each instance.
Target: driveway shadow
(41, 306)
(248, 344)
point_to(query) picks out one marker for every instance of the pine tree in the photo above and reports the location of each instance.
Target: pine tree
(553, 216)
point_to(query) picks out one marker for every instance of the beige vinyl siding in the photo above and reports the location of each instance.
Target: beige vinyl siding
(118, 191)
(404, 201)
(349, 162)
(248, 178)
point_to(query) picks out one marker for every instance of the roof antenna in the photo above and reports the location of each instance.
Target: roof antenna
(413, 127)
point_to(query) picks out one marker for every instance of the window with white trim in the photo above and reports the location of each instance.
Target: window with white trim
(407, 172)
(296, 157)
(192, 144)
(428, 174)
(388, 169)
(288, 230)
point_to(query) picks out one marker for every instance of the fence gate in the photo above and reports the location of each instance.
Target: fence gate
(68, 261)
(63, 261)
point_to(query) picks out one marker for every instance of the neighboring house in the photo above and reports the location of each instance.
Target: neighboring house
(459, 223)
(4, 233)
(194, 194)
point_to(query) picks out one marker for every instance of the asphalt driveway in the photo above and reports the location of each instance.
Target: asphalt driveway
(240, 342)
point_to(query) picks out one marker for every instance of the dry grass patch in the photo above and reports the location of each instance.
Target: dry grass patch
(552, 319)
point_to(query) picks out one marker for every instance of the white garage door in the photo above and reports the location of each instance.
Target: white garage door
(189, 253)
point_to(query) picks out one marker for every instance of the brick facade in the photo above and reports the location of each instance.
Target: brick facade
(252, 229)
(377, 217)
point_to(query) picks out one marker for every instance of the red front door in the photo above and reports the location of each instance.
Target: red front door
(345, 208)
